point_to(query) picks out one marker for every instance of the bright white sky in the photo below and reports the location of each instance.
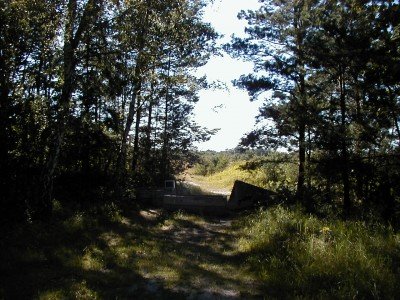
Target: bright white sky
(237, 114)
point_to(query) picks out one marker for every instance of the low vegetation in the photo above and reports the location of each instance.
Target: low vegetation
(123, 251)
(298, 252)
(299, 255)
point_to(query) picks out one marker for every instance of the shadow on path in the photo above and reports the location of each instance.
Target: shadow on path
(136, 254)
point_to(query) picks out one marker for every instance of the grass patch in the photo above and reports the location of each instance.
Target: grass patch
(298, 255)
(120, 251)
(274, 171)
(184, 188)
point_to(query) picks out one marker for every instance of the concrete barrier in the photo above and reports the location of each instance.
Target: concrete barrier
(245, 195)
(151, 196)
(207, 204)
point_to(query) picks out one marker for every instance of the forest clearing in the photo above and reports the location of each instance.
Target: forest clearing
(98, 102)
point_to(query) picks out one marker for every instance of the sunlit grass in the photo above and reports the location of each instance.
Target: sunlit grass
(303, 255)
(279, 252)
(225, 179)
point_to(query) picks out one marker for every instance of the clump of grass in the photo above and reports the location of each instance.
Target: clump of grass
(78, 290)
(299, 255)
(78, 254)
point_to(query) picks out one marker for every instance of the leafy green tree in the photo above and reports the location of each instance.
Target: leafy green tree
(27, 40)
(94, 89)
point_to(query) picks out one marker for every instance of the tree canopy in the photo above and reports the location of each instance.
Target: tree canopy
(332, 72)
(96, 89)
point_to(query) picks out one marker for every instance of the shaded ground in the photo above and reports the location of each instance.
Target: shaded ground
(125, 254)
(200, 260)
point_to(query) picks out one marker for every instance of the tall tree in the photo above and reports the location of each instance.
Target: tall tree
(69, 102)
(75, 25)
(343, 48)
(275, 43)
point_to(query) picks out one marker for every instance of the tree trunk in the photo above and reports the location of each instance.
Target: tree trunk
(396, 123)
(165, 139)
(5, 125)
(148, 131)
(137, 86)
(393, 111)
(71, 42)
(308, 157)
(149, 126)
(302, 159)
(137, 132)
(302, 101)
(344, 151)
(358, 147)
(4, 112)
(121, 163)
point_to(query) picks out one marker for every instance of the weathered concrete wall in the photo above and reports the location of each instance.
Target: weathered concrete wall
(246, 195)
(198, 203)
(151, 196)
(243, 196)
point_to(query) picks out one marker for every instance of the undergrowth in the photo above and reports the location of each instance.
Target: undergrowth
(72, 256)
(110, 251)
(299, 255)
(115, 251)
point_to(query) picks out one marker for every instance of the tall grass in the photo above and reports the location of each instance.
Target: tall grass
(299, 255)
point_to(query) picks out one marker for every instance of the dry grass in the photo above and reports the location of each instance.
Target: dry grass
(272, 176)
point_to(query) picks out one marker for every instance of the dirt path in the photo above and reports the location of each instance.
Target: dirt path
(132, 254)
(199, 259)
(127, 253)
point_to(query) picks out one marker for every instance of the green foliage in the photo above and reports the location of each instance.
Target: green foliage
(296, 254)
(211, 162)
(111, 97)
